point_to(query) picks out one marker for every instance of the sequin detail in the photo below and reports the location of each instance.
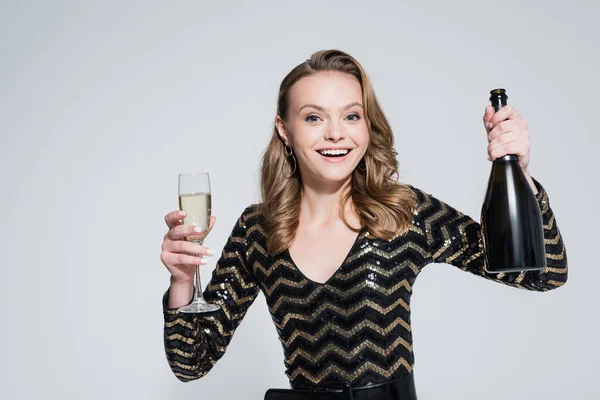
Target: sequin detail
(356, 326)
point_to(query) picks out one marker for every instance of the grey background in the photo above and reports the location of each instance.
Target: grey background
(103, 103)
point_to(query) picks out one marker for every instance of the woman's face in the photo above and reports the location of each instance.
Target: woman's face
(326, 126)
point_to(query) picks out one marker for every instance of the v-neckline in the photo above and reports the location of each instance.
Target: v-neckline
(337, 270)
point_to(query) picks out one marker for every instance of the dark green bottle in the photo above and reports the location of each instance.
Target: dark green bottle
(511, 220)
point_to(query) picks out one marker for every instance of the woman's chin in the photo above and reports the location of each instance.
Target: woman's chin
(335, 177)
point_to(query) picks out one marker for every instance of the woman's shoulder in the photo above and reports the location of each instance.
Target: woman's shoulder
(426, 202)
(421, 196)
(251, 223)
(419, 193)
(433, 209)
(252, 214)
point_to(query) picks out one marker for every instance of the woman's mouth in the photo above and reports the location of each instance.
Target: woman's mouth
(334, 155)
(334, 152)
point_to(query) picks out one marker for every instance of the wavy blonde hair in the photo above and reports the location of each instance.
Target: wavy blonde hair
(383, 205)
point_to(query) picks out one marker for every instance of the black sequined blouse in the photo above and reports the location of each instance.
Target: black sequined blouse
(356, 326)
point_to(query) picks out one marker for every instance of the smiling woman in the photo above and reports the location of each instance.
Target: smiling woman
(335, 246)
(326, 105)
(320, 134)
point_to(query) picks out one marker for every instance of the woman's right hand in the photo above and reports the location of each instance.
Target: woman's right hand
(178, 255)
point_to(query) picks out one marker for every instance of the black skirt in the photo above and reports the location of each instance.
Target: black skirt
(402, 388)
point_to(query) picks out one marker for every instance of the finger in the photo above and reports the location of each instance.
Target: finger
(177, 258)
(507, 112)
(503, 139)
(211, 223)
(503, 128)
(509, 148)
(487, 116)
(180, 232)
(185, 247)
(508, 145)
(174, 218)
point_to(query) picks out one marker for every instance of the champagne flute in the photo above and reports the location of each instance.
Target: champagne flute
(194, 199)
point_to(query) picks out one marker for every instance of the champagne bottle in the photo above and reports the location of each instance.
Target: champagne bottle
(511, 219)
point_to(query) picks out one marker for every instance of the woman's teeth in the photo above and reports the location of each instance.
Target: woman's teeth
(340, 152)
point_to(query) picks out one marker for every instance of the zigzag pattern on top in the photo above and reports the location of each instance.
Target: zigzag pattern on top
(356, 326)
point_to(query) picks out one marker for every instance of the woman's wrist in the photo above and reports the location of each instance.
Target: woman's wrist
(181, 282)
(180, 293)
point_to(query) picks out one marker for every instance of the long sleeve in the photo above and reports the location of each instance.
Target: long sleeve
(456, 239)
(195, 342)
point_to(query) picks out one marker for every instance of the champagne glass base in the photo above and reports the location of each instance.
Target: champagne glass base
(199, 306)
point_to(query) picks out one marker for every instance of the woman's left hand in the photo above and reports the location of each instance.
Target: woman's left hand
(507, 137)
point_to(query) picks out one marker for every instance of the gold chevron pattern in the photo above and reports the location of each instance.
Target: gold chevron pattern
(356, 326)
(345, 332)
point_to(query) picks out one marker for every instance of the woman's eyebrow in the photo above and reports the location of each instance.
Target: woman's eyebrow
(316, 107)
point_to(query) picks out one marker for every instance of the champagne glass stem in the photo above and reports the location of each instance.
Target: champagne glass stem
(198, 286)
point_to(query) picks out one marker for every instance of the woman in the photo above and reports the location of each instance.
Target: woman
(336, 244)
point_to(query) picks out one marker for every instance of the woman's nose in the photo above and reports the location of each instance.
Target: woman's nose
(334, 132)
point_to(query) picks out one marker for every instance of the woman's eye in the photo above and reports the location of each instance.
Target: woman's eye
(353, 117)
(312, 118)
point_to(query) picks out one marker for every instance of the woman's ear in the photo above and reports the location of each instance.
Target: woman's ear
(281, 130)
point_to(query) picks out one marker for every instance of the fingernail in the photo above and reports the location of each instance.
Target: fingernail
(489, 125)
(182, 213)
(203, 261)
(199, 229)
(210, 252)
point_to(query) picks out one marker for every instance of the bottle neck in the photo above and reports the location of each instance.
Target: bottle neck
(507, 158)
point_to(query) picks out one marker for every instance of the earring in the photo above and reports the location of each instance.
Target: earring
(289, 152)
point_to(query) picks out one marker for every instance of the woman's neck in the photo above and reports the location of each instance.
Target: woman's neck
(320, 204)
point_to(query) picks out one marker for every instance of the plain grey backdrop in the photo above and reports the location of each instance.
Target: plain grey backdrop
(102, 104)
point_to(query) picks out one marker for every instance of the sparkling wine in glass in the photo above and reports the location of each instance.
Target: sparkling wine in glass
(194, 199)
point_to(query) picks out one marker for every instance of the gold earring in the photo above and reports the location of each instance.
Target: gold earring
(289, 152)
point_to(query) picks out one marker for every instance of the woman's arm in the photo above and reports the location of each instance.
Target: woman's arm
(195, 342)
(456, 239)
